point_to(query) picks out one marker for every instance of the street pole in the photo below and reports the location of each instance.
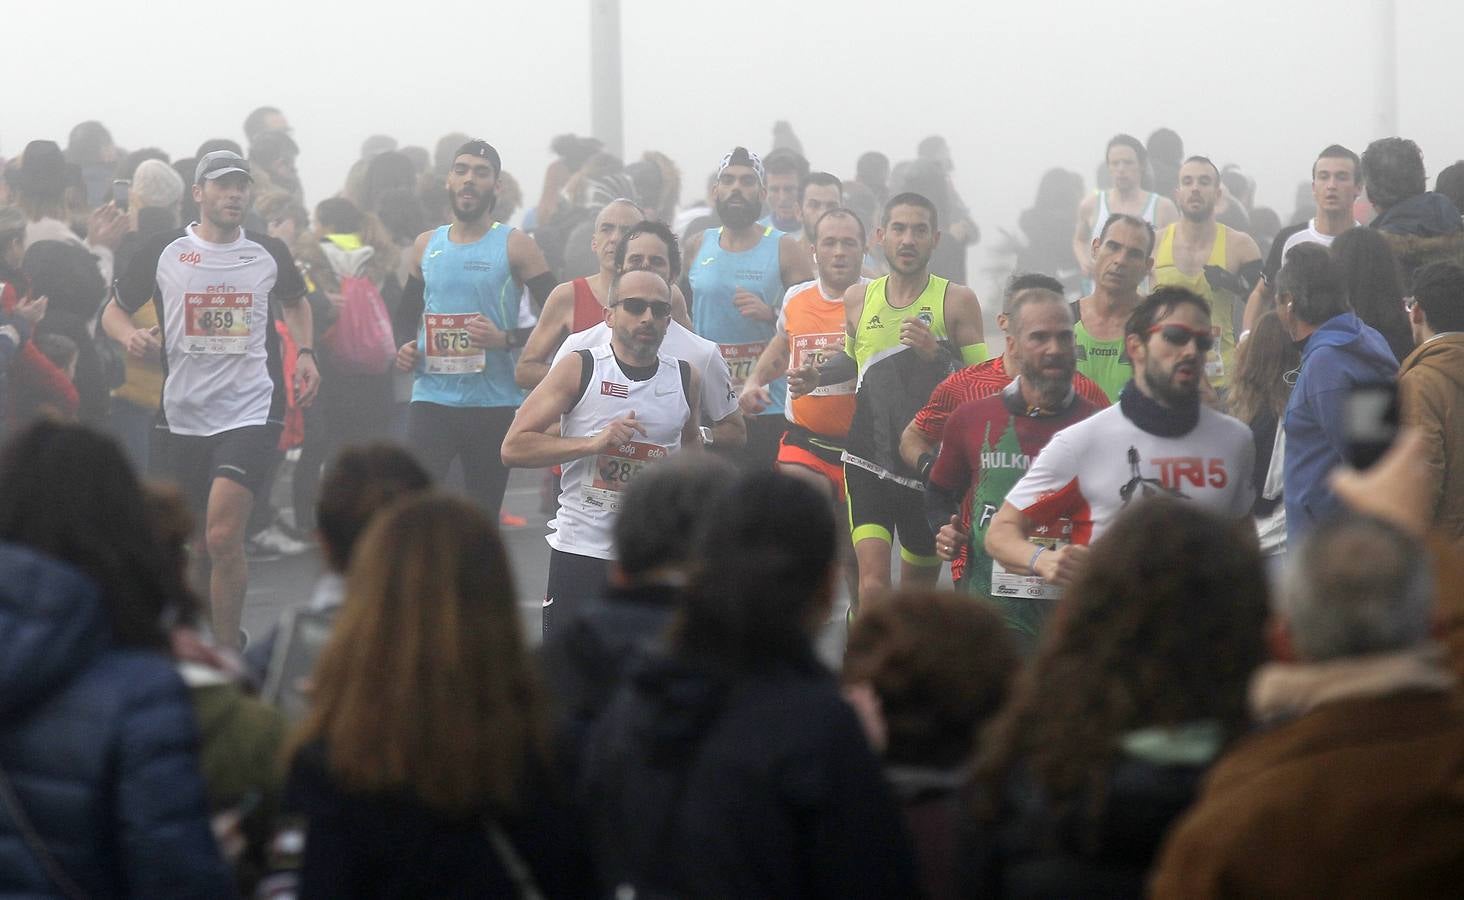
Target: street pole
(606, 108)
(1385, 110)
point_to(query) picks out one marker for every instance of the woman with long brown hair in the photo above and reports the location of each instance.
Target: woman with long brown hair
(1266, 365)
(1130, 698)
(422, 768)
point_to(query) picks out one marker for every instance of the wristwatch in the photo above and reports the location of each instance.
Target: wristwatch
(706, 435)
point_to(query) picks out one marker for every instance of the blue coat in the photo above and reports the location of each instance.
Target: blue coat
(1342, 353)
(99, 744)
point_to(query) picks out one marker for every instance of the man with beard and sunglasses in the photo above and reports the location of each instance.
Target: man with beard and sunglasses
(991, 442)
(466, 280)
(1158, 440)
(737, 276)
(604, 414)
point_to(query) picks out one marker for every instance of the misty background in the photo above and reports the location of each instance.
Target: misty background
(1015, 88)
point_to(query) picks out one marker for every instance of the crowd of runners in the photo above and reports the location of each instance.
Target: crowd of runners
(1197, 472)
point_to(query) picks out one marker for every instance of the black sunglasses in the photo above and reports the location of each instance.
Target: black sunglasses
(1179, 335)
(638, 305)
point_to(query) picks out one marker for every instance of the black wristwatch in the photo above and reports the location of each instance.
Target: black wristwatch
(303, 351)
(923, 466)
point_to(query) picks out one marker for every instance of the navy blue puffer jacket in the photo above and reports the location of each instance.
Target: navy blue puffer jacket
(101, 746)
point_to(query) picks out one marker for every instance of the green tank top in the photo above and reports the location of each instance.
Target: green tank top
(1105, 362)
(878, 334)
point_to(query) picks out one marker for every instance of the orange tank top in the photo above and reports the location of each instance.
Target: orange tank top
(813, 324)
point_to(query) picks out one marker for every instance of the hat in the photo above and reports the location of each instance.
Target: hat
(157, 185)
(741, 156)
(42, 169)
(377, 143)
(483, 150)
(219, 163)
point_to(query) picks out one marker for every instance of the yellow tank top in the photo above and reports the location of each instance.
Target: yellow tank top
(1221, 359)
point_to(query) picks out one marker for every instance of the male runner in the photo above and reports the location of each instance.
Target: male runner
(904, 333)
(1122, 255)
(811, 327)
(223, 400)
(1207, 258)
(579, 304)
(786, 171)
(738, 275)
(651, 246)
(990, 443)
(1157, 440)
(819, 193)
(1127, 160)
(469, 276)
(1336, 184)
(921, 439)
(604, 414)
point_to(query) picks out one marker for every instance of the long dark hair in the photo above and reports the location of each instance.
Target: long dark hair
(69, 492)
(1263, 363)
(1164, 627)
(1375, 285)
(763, 560)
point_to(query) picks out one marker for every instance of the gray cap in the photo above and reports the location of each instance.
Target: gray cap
(219, 163)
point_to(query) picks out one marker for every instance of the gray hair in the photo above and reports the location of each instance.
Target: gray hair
(1357, 586)
(1029, 297)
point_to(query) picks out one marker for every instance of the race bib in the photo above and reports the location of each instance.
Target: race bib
(813, 349)
(616, 469)
(449, 351)
(1030, 587)
(217, 324)
(740, 359)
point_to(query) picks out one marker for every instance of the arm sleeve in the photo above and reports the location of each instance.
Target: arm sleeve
(139, 283)
(409, 310)
(167, 848)
(540, 287)
(1273, 258)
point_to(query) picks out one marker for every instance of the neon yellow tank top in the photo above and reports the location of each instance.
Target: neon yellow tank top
(1221, 359)
(878, 334)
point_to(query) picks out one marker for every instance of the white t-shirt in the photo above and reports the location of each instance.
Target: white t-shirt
(718, 400)
(591, 486)
(221, 363)
(1091, 470)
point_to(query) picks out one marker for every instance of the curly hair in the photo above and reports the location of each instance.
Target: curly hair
(1164, 627)
(941, 664)
(1393, 169)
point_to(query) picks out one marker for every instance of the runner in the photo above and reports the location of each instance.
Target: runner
(616, 409)
(468, 277)
(738, 275)
(1201, 255)
(921, 440)
(786, 170)
(819, 193)
(1336, 184)
(215, 286)
(940, 323)
(651, 246)
(1159, 440)
(1127, 162)
(990, 443)
(579, 304)
(1122, 255)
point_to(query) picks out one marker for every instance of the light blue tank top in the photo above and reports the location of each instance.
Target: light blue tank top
(715, 276)
(470, 278)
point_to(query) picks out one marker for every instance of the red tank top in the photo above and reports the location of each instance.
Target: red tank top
(588, 312)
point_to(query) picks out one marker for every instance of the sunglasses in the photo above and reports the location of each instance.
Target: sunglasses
(638, 305)
(1179, 335)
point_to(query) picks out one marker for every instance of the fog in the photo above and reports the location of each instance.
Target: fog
(1015, 88)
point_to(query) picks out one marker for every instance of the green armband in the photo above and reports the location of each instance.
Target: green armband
(972, 354)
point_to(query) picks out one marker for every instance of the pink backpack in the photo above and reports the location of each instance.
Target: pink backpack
(360, 341)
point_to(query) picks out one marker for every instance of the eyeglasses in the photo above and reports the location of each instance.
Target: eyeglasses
(1179, 335)
(638, 305)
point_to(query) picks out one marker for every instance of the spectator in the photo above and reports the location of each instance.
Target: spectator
(1356, 689)
(42, 196)
(1374, 287)
(1450, 183)
(423, 767)
(1266, 365)
(90, 148)
(732, 767)
(926, 671)
(1131, 697)
(66, 274)
(1166, 155)
(1431, 393)
(872, 170)
(57, 404)
(97, 740)
(1340, 352)
(586, 661)
(28, 372)
(265, 118)
(272, 163)
(571, 152)
(1421, 226)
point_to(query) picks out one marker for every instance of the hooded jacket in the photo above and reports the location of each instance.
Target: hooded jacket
(1431, 393)
(1429, 214)
(1341, 354)
(701, 784)
(100, 746)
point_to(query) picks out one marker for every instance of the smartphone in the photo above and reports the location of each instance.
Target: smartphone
(121, 188)
(1370, 422)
